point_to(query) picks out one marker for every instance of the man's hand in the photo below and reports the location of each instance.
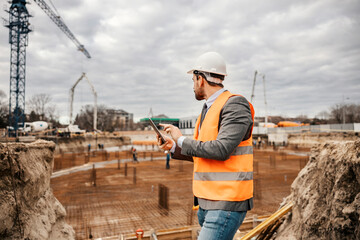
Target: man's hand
(167, 145)
(172, 130)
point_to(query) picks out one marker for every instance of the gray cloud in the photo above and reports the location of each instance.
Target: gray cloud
(141, 50)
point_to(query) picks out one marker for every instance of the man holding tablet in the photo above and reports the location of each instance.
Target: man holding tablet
(221, 150)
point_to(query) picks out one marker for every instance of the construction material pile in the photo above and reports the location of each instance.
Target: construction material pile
(28, 208)
(326, 195)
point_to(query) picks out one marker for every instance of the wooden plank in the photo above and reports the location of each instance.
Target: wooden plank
(248, 224)
(273, 218)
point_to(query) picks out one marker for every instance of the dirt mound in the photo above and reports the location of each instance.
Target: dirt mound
(326, 195)
(311, 139)
(28, 208)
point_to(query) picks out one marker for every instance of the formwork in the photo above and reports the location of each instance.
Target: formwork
(121, 199)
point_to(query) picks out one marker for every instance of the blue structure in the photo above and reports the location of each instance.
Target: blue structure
(18, 38)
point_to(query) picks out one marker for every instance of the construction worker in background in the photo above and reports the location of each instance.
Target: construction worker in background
(221, 150)
(134, 153)
(167, 160)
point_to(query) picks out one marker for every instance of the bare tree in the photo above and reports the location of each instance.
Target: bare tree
(85, 118)
(302, 118)
(347, 113)
(323, 115)
(4, 110)
(106, 120)
(51, 112)
(337, 113)
(40, 105)
(352, 113)
(3, 104)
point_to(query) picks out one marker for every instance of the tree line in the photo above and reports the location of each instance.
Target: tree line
(41, 108)
(106, 120)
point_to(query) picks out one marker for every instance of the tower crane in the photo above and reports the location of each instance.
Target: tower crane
(253, 91)
(19, 28)
(72, 90)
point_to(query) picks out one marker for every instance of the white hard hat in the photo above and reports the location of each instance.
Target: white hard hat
(210, 62)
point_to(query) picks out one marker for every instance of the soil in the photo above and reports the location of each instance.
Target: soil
(326, 195)
(28, 208)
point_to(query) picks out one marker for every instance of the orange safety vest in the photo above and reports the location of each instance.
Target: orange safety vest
(229, 180)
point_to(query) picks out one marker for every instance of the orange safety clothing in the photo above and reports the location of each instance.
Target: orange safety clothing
(229, 180)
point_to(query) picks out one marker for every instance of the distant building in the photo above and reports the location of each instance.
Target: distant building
(160, 119)
(187, 125)
(187, 122)
(120, 119)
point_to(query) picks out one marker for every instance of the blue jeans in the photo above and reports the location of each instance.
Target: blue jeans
(219, 224)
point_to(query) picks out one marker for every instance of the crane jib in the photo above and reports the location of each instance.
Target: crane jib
(61, 24)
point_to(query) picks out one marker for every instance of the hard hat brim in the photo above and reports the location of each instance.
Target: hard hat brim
(192, 71)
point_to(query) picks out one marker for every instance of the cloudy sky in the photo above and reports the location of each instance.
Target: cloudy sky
(309, 52)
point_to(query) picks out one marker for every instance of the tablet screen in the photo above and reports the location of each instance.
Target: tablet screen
(157, 131)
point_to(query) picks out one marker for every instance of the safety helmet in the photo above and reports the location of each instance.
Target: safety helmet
(210, 62)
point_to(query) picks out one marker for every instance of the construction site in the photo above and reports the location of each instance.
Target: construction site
(73, 193)
(102, 175)
(122, 183)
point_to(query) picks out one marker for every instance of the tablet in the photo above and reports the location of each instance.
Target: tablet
(157, 131)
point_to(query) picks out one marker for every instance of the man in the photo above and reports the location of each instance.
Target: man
(134, 153)
(168, 160)
(221, 150)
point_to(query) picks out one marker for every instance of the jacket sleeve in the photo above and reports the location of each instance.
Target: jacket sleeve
(177, 155)
(234, 126)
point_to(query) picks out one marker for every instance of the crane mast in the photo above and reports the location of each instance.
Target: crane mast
(18, 25)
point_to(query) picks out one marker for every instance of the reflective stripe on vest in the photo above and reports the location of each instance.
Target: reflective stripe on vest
(229, 180)
(223, 176)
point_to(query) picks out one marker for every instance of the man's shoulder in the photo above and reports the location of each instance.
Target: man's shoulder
(237, 99)
(236, 104)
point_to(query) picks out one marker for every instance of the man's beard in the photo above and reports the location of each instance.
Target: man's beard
(199, 95)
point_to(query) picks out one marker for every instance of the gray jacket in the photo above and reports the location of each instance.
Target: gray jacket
(235, 125)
